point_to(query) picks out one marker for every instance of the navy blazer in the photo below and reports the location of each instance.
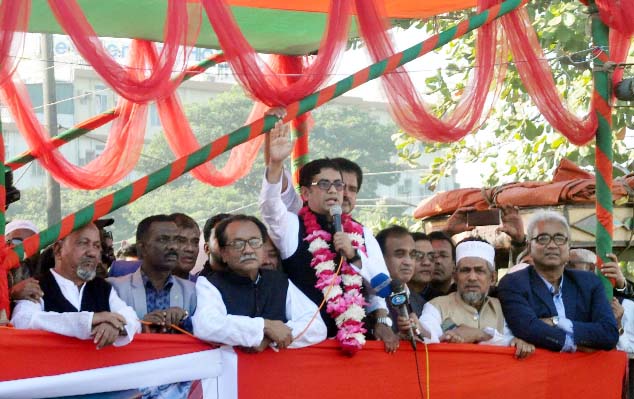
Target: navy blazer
(526, 299)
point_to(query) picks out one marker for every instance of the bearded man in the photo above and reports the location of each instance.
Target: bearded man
(76, 302)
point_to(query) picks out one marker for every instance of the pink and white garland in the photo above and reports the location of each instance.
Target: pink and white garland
(345, 305)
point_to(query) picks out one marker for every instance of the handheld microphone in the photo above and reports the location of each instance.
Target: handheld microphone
(335, 212)
(399, 300)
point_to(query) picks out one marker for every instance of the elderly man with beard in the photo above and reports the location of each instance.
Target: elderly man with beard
(76, 303)
(469, 315)
(553, 307)
(247, 306)
(157, 296)
(23, 283)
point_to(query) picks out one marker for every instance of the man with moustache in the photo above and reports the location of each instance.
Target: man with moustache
(553, 307)
(159, 298)
(76, 303)
(420, 284)
(188, 245)
(23, 283)
(469, 315)
(374, 270)
(322, 186)
(247, 306)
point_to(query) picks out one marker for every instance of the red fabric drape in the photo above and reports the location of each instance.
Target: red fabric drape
(181, 31)
(256, 77)
(123, 147)
(182, 139)
(537, 78)
(619, 48)
(408, 108)
(14, 18)
(617, 14)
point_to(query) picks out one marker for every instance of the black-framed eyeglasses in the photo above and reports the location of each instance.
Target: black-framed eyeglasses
(325, 185)
(545, 239)
(239, 245)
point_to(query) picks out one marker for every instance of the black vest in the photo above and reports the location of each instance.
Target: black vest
(96, 296)
(298, 269)
(266, 297)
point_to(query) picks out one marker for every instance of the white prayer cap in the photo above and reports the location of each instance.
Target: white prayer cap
(476, 249)
(20, 224)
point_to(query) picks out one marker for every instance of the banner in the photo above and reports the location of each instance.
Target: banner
(36, 364)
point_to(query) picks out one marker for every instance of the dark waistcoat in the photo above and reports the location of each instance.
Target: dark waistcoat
(96, 296)
(266, 297)
(298, 269)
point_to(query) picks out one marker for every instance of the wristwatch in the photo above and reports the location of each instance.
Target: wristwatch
(384, 320)
(355, 258)
(555, 320)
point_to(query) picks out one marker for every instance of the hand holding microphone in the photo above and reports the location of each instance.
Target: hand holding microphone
(340, 240)
(399, 300)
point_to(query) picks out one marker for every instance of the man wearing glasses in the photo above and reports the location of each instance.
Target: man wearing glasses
(247, 306)
(553, 307)
(322, 186)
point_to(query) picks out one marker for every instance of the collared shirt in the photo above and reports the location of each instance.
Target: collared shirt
(157, 299)
(564, 323)
(31, 315)
(160, 299)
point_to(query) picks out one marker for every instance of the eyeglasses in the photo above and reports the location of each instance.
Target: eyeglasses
(545, 239)
(107, 234)
(325, 185)
(239, 245)
(416, 254)
(428, 255)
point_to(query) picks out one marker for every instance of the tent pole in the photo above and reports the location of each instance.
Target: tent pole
(603, 148)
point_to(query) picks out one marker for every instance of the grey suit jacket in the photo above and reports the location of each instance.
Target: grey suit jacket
(131, 290)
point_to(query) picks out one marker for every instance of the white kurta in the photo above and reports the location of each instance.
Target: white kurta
(626, 341)
(31, 315)
(279, 211)
(212, 322)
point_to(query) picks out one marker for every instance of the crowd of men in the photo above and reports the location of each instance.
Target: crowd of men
(263, 285)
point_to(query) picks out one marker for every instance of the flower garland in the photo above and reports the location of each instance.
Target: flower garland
(345, 305)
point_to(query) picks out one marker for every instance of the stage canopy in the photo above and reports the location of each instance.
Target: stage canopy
(270, 26)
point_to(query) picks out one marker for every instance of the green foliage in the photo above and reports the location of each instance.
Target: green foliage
(516, 143)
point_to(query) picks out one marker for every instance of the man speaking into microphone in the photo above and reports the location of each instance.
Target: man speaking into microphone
(312, 244)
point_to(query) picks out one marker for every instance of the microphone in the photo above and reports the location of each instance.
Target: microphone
(381, 285)
(335, 212)
(399, 300)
